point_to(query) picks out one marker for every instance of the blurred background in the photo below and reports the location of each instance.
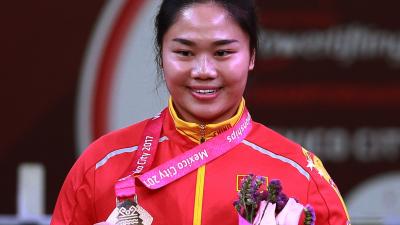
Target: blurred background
(327, 76)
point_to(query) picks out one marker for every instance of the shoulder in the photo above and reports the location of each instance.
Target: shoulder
(273, 141)
(274, 146)
(78, 191)
(322, 192)
(124, 139)
(276, 143)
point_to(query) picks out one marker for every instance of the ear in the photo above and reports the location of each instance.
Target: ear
(160, 61)
(252, 60)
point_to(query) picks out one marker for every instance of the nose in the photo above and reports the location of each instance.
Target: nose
(203, 68)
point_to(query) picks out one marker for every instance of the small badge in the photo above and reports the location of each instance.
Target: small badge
(131, 213)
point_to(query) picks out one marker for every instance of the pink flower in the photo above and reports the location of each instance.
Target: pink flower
(290, 214)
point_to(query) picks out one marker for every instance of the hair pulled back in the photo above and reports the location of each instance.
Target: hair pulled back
(242, 11)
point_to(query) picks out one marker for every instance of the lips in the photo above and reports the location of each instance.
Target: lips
(205, 92)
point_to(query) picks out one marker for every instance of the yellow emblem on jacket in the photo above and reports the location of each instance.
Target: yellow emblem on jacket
(314, 162)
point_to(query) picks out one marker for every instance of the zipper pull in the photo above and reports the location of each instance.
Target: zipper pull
(202, 133)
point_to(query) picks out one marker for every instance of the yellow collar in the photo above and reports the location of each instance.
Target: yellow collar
(200, 132)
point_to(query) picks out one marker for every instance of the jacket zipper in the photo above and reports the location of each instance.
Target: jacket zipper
(198, 202)
(202, 133)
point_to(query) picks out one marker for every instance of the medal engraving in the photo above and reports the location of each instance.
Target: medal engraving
(131, 213)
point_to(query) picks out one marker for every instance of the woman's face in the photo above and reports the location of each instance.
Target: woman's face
(206, 60)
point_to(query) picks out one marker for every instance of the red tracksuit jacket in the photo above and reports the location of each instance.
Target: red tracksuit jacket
(87, 196)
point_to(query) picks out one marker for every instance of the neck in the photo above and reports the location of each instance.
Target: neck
(199, 131)
(205, 119)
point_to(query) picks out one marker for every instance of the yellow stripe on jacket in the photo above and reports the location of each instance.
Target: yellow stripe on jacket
(193, 132)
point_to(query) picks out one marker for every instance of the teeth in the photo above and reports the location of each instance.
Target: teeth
(205, 91)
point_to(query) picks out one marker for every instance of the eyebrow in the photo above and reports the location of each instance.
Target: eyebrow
(225, 42)
(184, 41)
(216, 43)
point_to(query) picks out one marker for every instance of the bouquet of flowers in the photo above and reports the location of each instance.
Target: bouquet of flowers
(269, 207)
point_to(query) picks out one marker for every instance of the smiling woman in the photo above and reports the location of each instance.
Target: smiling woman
(183, 165)
(205, 59)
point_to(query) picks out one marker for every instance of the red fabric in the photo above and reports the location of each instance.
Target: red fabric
(87, 196)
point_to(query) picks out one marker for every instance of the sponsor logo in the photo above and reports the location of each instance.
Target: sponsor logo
(239, 131)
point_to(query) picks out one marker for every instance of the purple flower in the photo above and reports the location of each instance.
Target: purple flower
(263, 196)
(250, 197)
(281, 201)
(274, 190)
(309, 215)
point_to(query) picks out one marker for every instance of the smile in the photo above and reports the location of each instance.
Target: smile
(206, 92)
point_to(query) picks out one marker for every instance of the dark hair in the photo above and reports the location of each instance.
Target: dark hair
(242, 11)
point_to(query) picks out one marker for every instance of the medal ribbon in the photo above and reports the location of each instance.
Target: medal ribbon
(182, 164)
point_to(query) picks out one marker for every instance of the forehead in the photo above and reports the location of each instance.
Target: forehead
(205, 21)
(204, 13)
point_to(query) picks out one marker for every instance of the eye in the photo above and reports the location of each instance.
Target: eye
(223, 53)
(184, 53)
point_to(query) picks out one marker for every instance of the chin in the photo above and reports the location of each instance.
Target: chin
(208, 116)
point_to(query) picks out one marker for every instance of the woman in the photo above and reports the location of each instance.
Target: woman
(184, 168)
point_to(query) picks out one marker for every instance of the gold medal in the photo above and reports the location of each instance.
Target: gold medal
(131, 213)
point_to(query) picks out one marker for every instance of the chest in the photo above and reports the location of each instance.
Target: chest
(175, 203)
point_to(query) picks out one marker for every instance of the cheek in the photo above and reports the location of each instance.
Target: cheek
(172, 71)
(173, 65)
(242, 59)
(172, 80)
(238, 69)
(236, 74)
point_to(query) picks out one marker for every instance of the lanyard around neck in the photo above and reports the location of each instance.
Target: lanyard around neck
(182, 164)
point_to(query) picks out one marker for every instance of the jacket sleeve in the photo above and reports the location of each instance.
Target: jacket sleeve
(324, 196)
(75, 201)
